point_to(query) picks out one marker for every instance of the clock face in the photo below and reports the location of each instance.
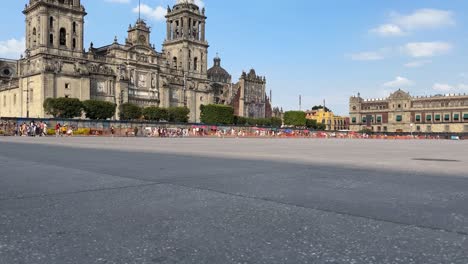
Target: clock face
(142, 39)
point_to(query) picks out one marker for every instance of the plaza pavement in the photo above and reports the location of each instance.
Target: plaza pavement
(139, 200)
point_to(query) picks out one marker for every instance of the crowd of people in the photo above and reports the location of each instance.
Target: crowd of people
(41, 129)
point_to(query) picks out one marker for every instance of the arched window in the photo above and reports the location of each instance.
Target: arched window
(34, 36)
(63, 37)
(51, 39)
(174, 61)
(74, 27)
(195, 64)
(51, 22)
(74, 43)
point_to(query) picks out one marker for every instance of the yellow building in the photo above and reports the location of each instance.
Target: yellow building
(329, 119)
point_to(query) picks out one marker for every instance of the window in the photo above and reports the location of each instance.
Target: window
(456, 117)
(67, 86)
(34, 36)
(74, 43)
(418, 128)
(354, 120)
(418, 118)
(429, 129)
(51, 39)
(74, 28)
(195, 64)
(465, 116)
(63, 37)
(399, 118)
(379, 119)
(447, 117)
(437, 118)
(399, 106)
(447, 128)
(174, 61)
(428, 118)
(364, 119)
(51, 22)
(385, 129)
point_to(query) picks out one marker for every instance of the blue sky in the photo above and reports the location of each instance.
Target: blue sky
(320, 49)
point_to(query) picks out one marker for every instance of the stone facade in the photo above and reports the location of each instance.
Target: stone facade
(56, 64)
(247, 96)
(401, 112)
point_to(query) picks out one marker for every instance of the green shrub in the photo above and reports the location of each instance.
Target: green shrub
(155, 114)
(217, 114)
(63, 107)
(178, 114)
(295, 118)
(99, 110)
(130, 112)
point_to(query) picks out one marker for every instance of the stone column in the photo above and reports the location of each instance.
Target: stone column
(168, 30)
(203, 31)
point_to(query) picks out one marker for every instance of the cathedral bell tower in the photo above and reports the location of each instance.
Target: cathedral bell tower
(138, 34)
(185, 46)
(54, 26)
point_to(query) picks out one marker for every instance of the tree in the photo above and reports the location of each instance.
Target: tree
(217, 114)
(317, 107)
(276, 122)
(178, 114)
(99, 110)
(49, 107)
(240, 121)
(311, 123)
(130, 112)
(63, 107)
(321, 126)
(295, 118)
(155, 113)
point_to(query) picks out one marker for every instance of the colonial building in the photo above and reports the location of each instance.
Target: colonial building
(401, 112)
(247, 96)
(330, 120)
(56, 64)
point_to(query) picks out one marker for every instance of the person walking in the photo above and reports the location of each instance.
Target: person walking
(57, 130)
(112, 130)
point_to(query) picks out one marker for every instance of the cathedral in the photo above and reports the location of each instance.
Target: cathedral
(56, 64)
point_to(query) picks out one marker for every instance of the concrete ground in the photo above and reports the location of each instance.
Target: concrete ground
(128, 200)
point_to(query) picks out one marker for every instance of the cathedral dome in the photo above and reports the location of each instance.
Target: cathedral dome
(217, 73)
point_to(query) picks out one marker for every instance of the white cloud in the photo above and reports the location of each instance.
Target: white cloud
(398, 82)
(443, 87)
(367, 56)
(426, 49)
(119, 1)
(417, 64)
(12, 48)
(158, 13)
(388, 30)
(424, 19)
(400, 25)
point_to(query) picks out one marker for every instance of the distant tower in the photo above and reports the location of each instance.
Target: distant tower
(185, 46)
(54, 27)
